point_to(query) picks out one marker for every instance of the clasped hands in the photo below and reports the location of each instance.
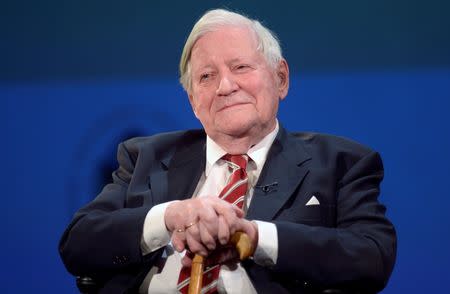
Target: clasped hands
(205, 225)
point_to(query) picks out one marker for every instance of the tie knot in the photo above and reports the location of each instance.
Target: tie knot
(239, 160)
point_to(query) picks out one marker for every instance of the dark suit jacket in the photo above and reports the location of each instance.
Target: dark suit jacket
(344, 242)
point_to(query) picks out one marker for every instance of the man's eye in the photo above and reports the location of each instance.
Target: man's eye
(241, 67)
(205, 77)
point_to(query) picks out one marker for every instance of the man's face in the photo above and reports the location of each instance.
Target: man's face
(234, 90)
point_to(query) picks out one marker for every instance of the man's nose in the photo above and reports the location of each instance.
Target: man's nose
(227, 85)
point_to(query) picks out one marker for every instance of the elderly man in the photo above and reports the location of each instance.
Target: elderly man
(308, 202)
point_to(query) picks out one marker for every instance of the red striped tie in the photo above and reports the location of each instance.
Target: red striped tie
(234, 192)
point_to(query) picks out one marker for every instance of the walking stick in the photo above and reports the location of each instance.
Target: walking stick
(244, 247)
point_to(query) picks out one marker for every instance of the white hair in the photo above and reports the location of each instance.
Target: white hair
(268, 43)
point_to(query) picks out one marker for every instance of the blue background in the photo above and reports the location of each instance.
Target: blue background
(78, 77)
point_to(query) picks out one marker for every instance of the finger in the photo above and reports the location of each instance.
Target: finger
(228, 211)
(228, 208)
(245, 226)
(194, 243)
(193, 231)
(239, 212)
(206, 238)
(225, 208)
(208, 216)
(223, 231)
(251, 229)
(179, 241)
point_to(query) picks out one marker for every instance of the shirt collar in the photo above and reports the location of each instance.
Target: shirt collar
(213, 153)
(257, 153)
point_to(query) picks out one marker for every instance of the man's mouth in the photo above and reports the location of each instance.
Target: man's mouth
(227, 106)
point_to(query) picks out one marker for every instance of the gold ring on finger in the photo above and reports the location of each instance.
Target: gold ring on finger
(190, 225)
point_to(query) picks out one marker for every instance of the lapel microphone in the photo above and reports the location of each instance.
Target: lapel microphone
(268, 188)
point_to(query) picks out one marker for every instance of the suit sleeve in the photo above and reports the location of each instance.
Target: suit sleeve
(104, 237)
(359, 252)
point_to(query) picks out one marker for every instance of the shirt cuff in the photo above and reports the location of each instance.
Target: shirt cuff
(155, 234)
(266, 253)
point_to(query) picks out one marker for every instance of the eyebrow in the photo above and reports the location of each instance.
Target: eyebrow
(237, 60)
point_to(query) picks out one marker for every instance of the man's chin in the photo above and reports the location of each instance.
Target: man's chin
(236, 128)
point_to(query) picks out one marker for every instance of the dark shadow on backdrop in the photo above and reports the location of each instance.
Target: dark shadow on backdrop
(95, 159)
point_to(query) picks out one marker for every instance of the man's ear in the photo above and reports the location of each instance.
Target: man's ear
(191, 100)
(283, 78)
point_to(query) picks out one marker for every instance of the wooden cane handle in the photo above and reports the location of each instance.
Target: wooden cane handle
(243, 245)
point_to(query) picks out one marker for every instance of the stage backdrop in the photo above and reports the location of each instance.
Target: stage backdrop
(76, 79)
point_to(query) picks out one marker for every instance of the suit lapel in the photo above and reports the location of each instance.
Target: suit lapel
(185, 170)
(284, 170)
(176, 174)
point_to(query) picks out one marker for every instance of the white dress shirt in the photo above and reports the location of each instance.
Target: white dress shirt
(214, 178)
